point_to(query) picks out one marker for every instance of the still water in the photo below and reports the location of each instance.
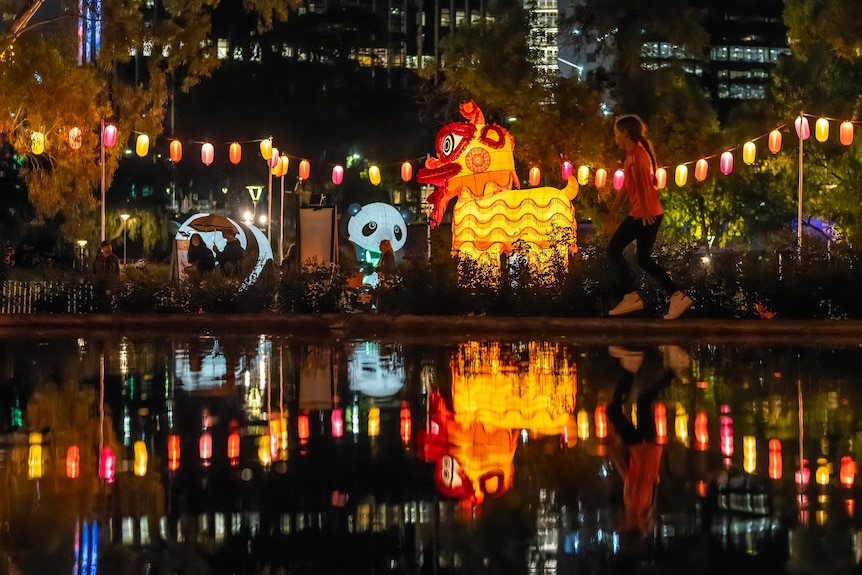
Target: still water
(278, 454)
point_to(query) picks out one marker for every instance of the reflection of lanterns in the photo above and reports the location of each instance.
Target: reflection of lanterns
(303, 429)
(109, 135)
(75, 135)
(34, 457)
(821, 129)
(749, 453)
(207, 154)
(803, 475)
(535, 176)
(235, 153)
(73, 462)
(749, 150)
(264, 450)
(205, 446)
(107, 464)
(700, 170)
(619, 179)
(406, 171)
(374, 175)
(845, 133)
(266, 148)
(337, 419)
(176, 151)
(847, 471)
(601, 178)
(233, 447)
(726, 163)
(681, 175)
(37, 142)
(701, 431)
(337, 174)
(775, 466)
(680, 422)
(374, 422)
(406, 423)
(660, 178)
(774, 141)
(822, 473)
(173, 452)
(660, 414)
(304, 169)
(566, 170)
(140, 458)
(583, 424)
(601, 418)
(142, 145)
(726, 435)
(583, 175)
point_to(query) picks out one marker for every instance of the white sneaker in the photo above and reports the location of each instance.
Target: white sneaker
(679, 302)
(631, 302)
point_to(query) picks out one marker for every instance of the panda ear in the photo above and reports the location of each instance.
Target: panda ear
(405, 215)
(353, 209)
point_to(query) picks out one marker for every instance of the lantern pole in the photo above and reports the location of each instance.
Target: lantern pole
(269, 208)
(281, 224)
(102, 164)
(799, 194)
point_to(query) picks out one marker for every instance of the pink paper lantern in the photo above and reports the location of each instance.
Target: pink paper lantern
(337, 174)
(726, 163)
(272, 162)
(619, 179)
(566, 170)
(803, 130)
(109, 135)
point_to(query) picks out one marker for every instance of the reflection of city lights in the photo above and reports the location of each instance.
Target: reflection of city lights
(726, 435)
(303, 428)
(73, 462)
(107, 464)
(749, 453)
(701, 431)
(205, 446)
(821, 476)
(140, 458)
(681, 423)
(264, 451)
(847, 471)
(406, 423)
(34, 457)
(124, 357)
(374, 422)
(601, 418)
(776, 464)
(583, 424)
(173, 452)
(660, 423)
(802, 476)
(337, 422)
(233, 448)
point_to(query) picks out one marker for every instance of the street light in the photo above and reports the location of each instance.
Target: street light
(254, 192)
(82, 244)
(125, 218)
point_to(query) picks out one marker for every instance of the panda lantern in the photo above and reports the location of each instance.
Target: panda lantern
(372, 223)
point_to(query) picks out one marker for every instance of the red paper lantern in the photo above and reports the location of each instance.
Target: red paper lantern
(774, 141)
(176, 151)
(726, 163)
(700, 170)
(337, 174)
(406, 171)
(847, 471)
(601, 419)
(107, 464)
(73, 462)
(406, 422)
(845, 133)
(566, 170)
(535, 176)
(235, 153)
(601, 178)
(109, 135)
(660, 414)
(775, 464)
(619, 179)
(207, 154)
(304, 169)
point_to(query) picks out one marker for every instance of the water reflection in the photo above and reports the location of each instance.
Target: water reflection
(281, 454)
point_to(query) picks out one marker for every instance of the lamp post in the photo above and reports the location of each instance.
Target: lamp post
(254, 192)
(81, 245)
(125, 218)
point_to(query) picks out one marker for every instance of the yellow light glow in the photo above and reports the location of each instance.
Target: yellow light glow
(140, 458)
(823, 472)
(681, 423)
(749, 453)
(583, 424)
(374, 422)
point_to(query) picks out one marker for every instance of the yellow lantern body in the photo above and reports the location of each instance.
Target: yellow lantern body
(749, 150)
(775, 141)
(681, 175)
(142, 145)
(601, 178)
(266, 148)
(821, 130)
(37, 142)
(304, 169)
(583, 175)
(535, 176)
(845, 133)
(75, 136)
(176, 151)
(235, 153)
(283, 164)
(374, 175)
(660, 178)
(700, 170)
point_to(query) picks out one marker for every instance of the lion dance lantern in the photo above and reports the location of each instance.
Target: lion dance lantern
(475, 164)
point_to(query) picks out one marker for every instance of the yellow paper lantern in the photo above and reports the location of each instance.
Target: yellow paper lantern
(283, 163)
(142, 145)
(374, 175)
(681, 175)
(749, 150)
(583, 175)
(278, 170)
(34, 457)
(660, 178)
(266, 148)
(846, 133)
(37, 142)
(700, 170)
(75, 136)
(535, 176)
(821, 130)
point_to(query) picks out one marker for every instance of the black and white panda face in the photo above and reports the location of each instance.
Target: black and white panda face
(374, 223)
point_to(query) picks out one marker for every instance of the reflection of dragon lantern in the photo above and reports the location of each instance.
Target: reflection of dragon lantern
(475, 164)
(496, 392)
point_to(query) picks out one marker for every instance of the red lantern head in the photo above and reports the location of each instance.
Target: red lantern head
(173, 452)
(535, 176)
(337, 174)
(207, 154)
(304, 169)
(233, 447)
(406, 171)
(109, 135)
(235, 153)
(176, 151)
(337, 422)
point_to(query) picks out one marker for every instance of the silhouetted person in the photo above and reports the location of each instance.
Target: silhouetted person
(106, 273)
(231, 256)
(200, 256)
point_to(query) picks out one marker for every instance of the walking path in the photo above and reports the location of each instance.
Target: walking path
(365, 325)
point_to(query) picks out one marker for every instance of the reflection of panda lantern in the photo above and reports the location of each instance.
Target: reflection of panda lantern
(258, 252)
(376, 370)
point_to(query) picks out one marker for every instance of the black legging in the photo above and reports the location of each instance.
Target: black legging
(628, 432)
(633, 230)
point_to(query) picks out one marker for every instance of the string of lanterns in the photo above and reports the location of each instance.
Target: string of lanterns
(279, 162)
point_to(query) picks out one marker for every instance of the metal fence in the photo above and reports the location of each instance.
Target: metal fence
(45, 297)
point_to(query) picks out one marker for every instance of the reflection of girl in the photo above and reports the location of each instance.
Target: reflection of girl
(200, 256)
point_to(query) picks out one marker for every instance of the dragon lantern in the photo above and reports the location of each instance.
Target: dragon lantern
(475, 164)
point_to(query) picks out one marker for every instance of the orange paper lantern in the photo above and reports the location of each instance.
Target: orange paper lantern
(207, 154)
(176, 151)
(173, 452)
(304, 169)
(534, 176)
(233, 447)
(660, 178)
(845, 133)
(406, 171)
(205, 446)
(235, 153)
(601, 178)
(775, 141)
(700, 170)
